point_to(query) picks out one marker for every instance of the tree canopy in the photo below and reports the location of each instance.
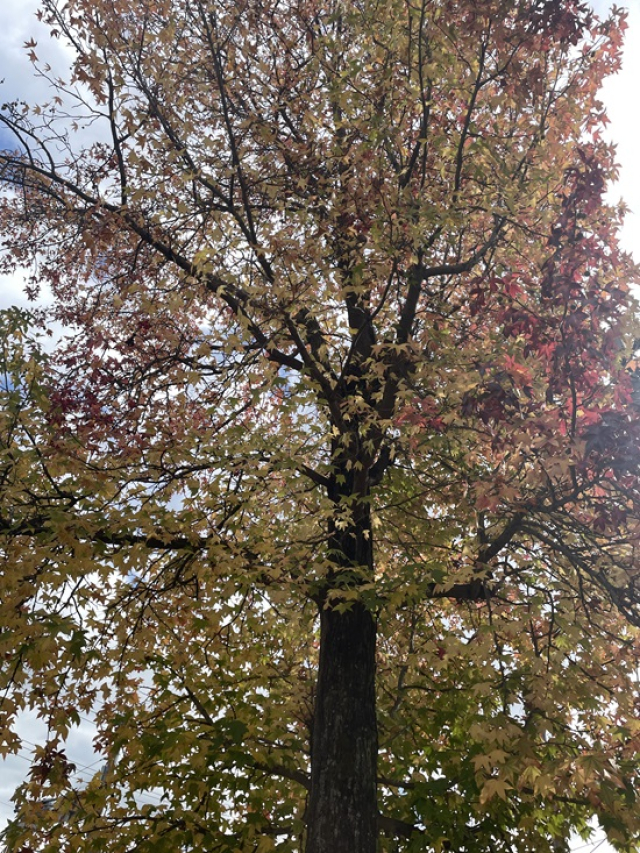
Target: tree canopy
(327, 503)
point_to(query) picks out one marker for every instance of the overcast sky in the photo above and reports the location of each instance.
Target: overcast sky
(18, 25)
(621, 96)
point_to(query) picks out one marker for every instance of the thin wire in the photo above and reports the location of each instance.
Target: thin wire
(593, 845)
(77, 774)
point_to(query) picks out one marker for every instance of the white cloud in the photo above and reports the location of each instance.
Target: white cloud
(18, 24)
(620, 94)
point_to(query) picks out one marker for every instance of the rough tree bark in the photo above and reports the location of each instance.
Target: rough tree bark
(342, 813)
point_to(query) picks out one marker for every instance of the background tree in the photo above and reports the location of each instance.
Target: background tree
(328, 503)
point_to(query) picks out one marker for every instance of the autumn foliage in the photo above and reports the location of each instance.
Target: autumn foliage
(326, 505)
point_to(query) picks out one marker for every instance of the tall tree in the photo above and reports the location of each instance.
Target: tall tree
(328, 503)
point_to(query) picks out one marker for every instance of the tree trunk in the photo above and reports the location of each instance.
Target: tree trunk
(342, 812)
